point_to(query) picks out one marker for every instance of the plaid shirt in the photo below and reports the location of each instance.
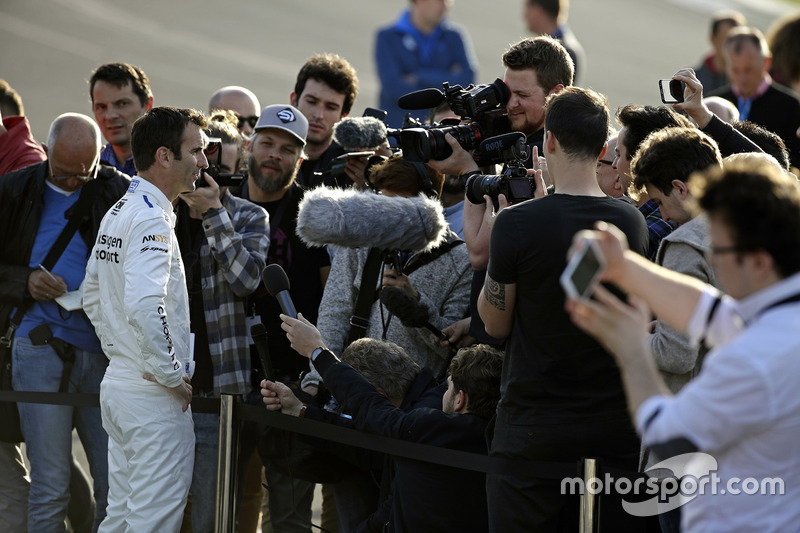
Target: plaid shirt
(657, 228)
(231, 261)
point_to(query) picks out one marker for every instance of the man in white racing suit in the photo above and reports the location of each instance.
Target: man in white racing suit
(135, 295)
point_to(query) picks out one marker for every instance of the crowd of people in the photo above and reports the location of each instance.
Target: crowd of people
(135, 270)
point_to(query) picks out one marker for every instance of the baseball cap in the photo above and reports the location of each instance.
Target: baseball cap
(283, 117)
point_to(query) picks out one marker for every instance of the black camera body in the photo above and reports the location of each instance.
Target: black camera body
(515, 182)
(214, 148)
(483, 104)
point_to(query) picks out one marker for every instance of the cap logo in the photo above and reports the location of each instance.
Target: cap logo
(286, 115)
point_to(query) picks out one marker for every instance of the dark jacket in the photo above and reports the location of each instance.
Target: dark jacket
(425, 497)
(21, 204)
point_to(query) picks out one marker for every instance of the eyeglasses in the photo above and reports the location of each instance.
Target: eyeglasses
(720, 250)
(601, 162)
(252, 120)
(85, 177)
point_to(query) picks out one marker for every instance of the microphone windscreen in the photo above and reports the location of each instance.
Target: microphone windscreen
(422, 99)
(275, 279)
(363, 219)
(355, 134)
(411, 312)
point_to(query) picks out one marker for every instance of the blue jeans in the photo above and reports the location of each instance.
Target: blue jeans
(48, 431)
(204, 476)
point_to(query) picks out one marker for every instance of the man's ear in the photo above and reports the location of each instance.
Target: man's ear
(557, 89)
(461, 402)
(683, 188)
(603, 151)
(164, 156)
(149, 105)
(550, 142)
(293, 99)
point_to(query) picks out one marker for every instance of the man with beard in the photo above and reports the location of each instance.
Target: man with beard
(274, 156)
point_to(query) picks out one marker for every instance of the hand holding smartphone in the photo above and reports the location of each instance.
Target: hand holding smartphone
(583, 269)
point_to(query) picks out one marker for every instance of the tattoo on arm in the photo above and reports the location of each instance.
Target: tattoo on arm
(495, 293)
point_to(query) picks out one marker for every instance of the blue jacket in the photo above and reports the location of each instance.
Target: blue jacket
(401, 51)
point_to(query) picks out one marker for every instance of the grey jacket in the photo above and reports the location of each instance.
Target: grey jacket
(683, 251)
(443, 285)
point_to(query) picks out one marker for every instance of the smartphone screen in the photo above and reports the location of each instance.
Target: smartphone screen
(671, 91)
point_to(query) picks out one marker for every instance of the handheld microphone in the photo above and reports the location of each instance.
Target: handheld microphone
(259, 334)
(277, 285)
(412, 314)
(422, 99)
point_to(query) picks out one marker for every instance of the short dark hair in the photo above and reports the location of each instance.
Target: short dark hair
(546, 56)
(551, 7)
(768, 141)
(10, 101)
(400, 176)
(477, 371)
(161, 126)
(760, 204)
(640, 121)
(673, 154)
(579, 120)
(738, 36)
(733, 18)
(119, 75)
(783, 39)
(384, 364)
(335, 72)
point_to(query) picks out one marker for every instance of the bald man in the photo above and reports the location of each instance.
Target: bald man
(55, 349)
(241, 101)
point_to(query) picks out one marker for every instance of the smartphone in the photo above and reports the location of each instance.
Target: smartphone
(580, 276)
(671, 91)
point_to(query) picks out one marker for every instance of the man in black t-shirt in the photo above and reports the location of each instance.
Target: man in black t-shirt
(562, 397)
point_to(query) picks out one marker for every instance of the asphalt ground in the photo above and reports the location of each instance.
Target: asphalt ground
(49, 48)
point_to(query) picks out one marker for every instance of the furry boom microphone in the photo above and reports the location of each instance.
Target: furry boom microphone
(362, 219)
(359, 133)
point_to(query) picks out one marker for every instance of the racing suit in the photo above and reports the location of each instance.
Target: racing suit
(135, 295)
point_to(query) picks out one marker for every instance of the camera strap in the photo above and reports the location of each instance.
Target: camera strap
(359, 321)
(80, 211)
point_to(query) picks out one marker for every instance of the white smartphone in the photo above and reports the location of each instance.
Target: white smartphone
(583, 269)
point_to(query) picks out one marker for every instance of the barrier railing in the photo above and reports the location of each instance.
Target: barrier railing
(233, 413)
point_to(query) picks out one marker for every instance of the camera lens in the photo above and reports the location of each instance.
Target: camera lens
(478, 186)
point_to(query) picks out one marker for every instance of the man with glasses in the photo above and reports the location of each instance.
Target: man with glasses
(120, 94)
(607, 177)
(55, 349)
(242, 102)
(743, 409)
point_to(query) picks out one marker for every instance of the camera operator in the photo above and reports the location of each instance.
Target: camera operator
(224, 242)
(562, 395)
(424, 497)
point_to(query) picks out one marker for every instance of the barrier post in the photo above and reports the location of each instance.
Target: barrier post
(226, 466)
(589, 500)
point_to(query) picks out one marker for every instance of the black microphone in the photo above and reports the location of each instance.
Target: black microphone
(277, 285)
(515, 139)
(259, 334)
(422, 99)
(412, 313)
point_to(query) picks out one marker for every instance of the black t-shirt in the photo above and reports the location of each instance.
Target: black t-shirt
(302, 265)
(552, 370)
(308, 180)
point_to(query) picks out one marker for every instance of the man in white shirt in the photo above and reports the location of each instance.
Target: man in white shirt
(743, 410)
(135, 295)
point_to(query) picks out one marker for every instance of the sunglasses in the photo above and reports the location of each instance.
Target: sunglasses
(252, 120)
